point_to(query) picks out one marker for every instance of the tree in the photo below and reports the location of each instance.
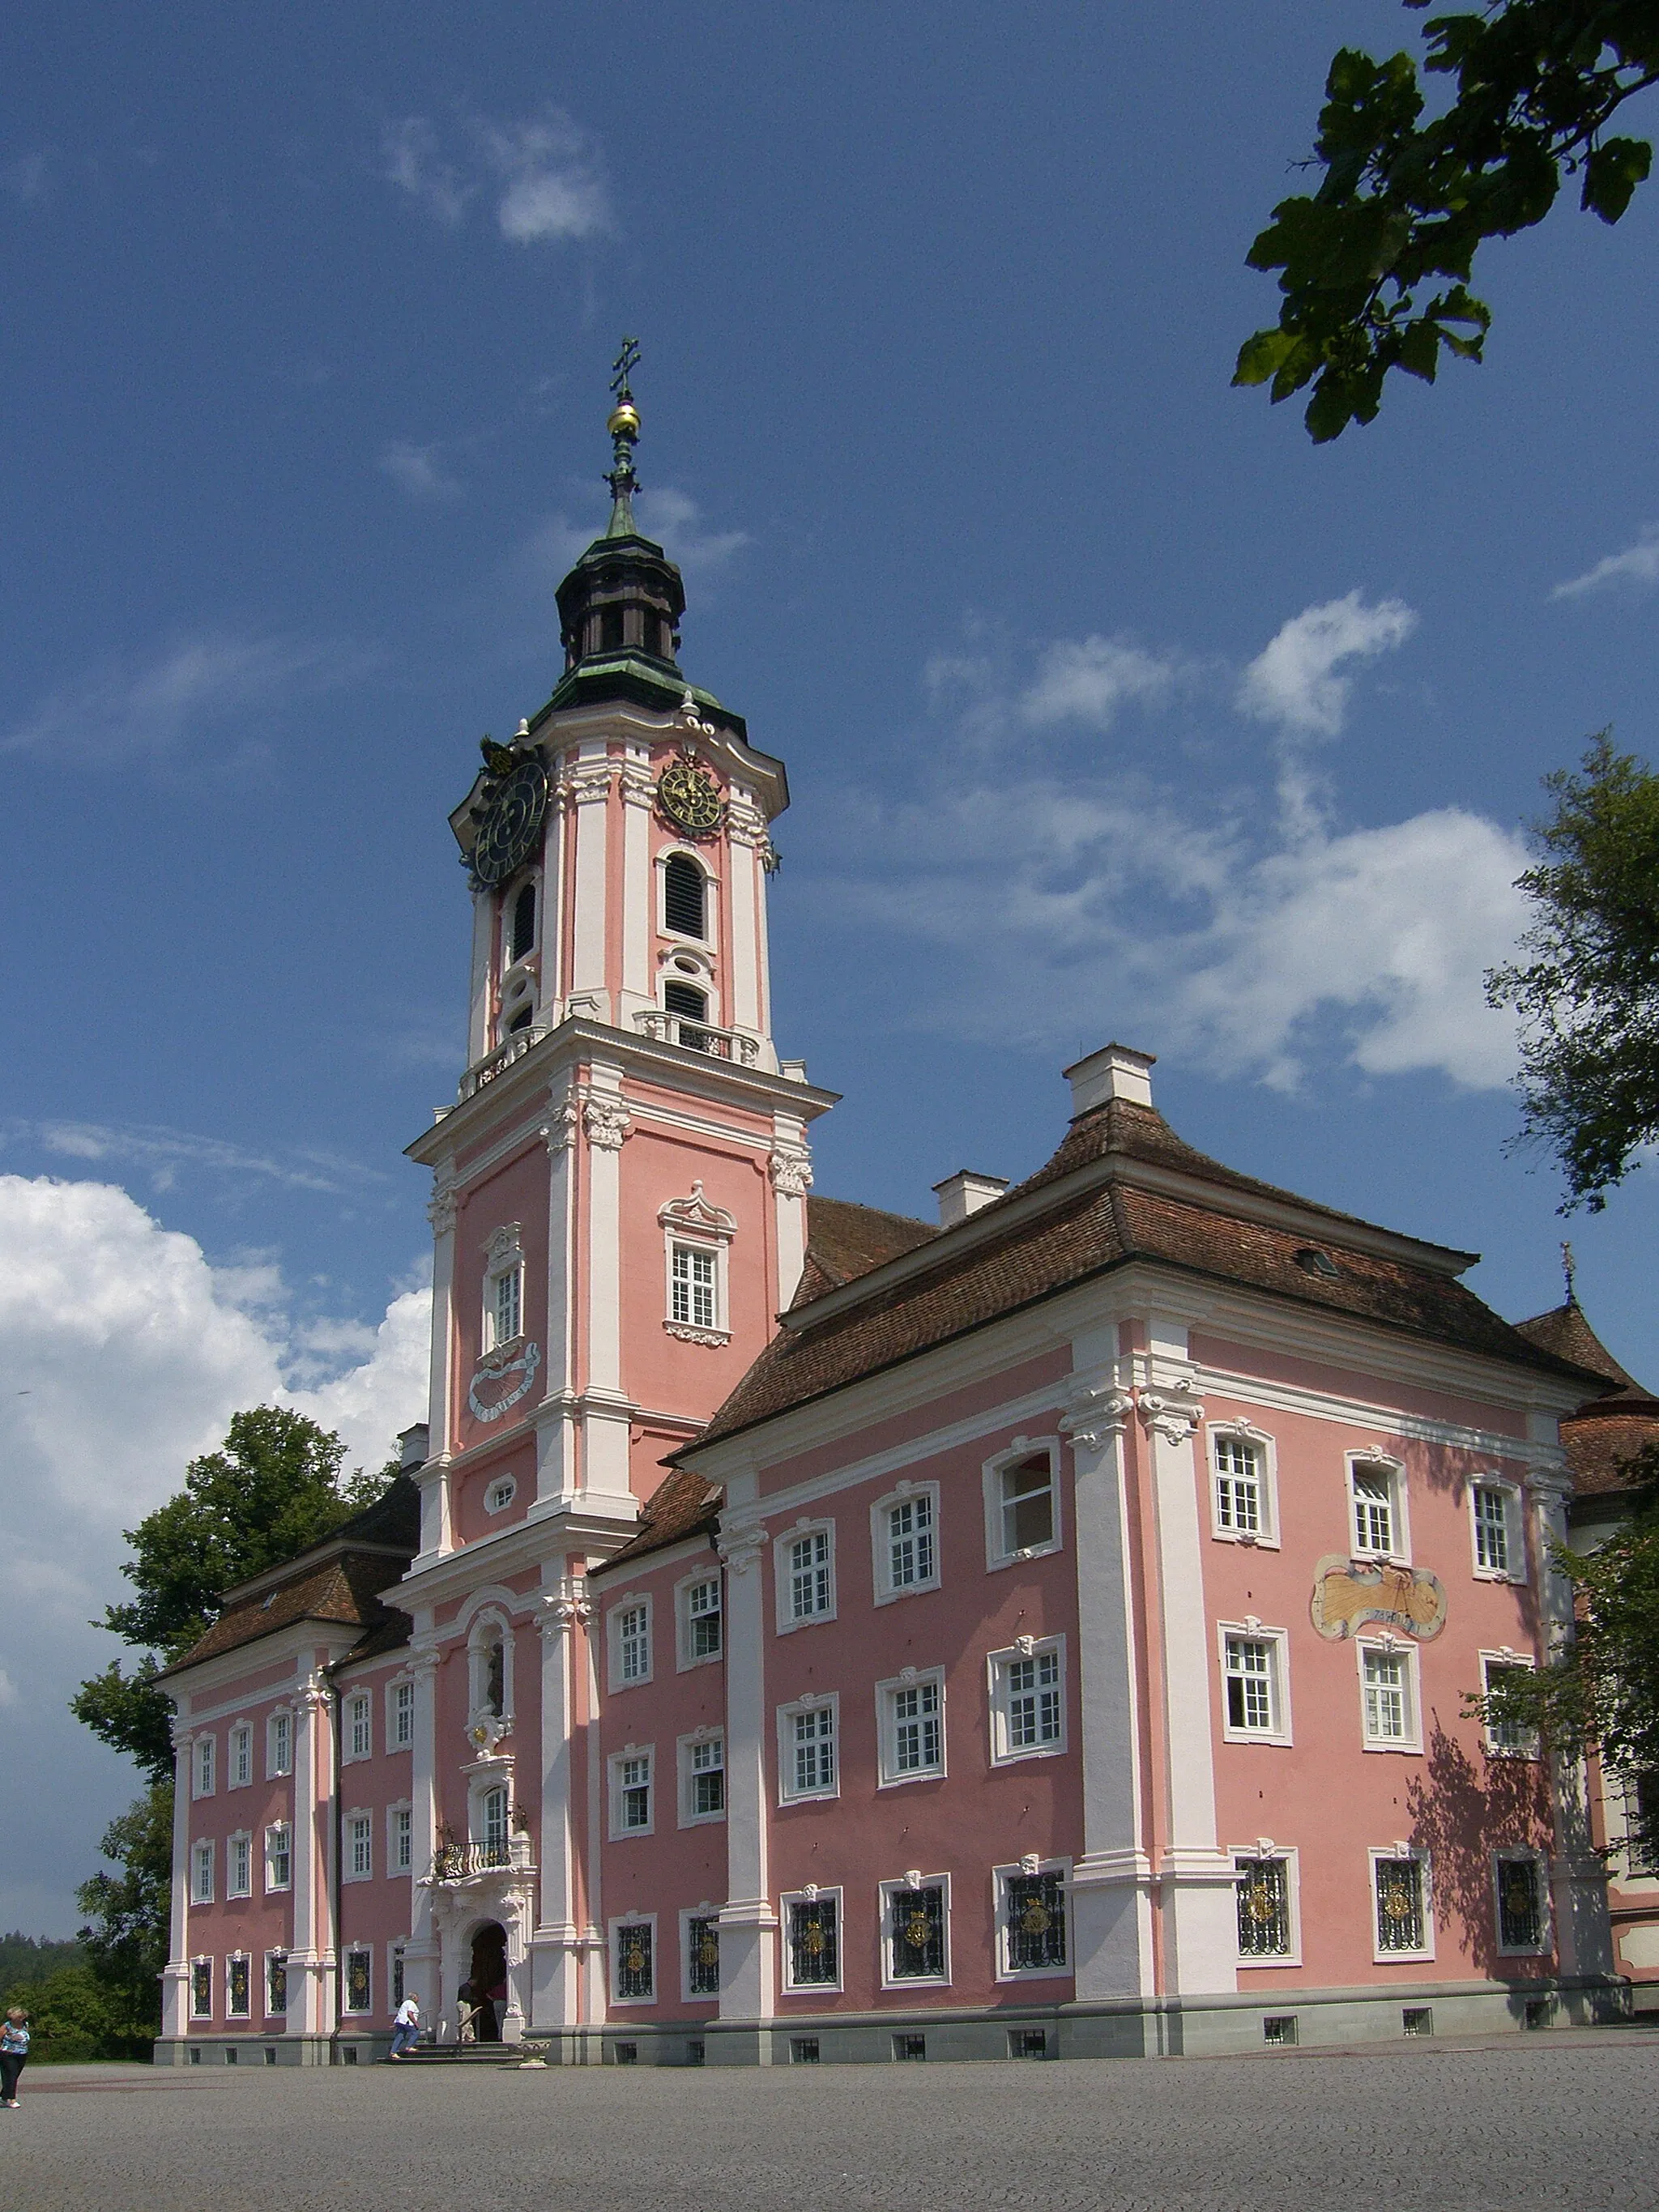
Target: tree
(126, 1941)
(1404, 204)
(1588, 995)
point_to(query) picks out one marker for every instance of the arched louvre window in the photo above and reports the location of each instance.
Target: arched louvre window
(685, 999)
(521, 928)
(684, 889)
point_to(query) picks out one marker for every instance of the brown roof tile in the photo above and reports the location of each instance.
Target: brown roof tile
(683, 1504)
(1565, 1331)
(844, 1240)
(1601, 1439)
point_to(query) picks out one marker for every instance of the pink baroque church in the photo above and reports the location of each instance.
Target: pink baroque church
(800, 1632)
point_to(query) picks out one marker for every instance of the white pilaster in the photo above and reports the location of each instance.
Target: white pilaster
(175, 1980)
(742, 873)
(639, 900)
(435, 1532)
(791, 1172)
(558, 1473)
(606, 1411)
(420, 1951)
(589, 786)
(479, 1001)
(556, 1946)
(311, 1993)
(748, 1922)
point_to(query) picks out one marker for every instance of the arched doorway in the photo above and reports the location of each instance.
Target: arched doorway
(487, 1980)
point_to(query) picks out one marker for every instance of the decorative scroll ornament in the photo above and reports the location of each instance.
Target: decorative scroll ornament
(1098, 1416)
(558, 1131)
(503, 1378)
(791, 1171)
(1172, 1412)
(485, 1734)
(567, 1610)
(606, 1123)
(741, 1548)
(440, 1210)
(1345, 1596)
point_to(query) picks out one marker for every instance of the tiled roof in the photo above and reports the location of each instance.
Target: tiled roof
(1098, 1222)
(1609, 1429)
(1565, 1331)
(844, 1240)
(683, 1504)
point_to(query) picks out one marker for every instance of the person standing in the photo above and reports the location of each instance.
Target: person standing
(14, 2054)
(406, 2028)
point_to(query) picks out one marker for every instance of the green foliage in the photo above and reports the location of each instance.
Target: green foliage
(73, 2016)
(1376, 262)
(32, 1958)
(126, 1941)
(1588, 994)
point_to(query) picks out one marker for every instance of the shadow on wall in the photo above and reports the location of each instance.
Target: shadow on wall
(1462, 1812)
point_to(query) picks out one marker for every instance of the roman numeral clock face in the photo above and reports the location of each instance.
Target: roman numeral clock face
(510, 817)
(691, 799)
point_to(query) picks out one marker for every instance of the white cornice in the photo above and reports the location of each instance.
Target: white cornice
(625, 722)
(548, 1532)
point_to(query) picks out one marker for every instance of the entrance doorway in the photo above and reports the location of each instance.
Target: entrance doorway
(486, 1984)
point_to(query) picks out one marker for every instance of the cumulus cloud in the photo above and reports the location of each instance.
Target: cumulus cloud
(676, 520)
(1637, 566)
(1293, 682)
(164, 1153)
(1087, 680)
(544, 174)
(410, 159)
(125, 1353)
(419, 471)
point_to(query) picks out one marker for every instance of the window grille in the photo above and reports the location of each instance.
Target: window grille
(202, 1875)
(1027, 1505)
(633, 1642)
(813, 1735)
(814, 1945)
(1264, 1908)
(1400, 1925)
(521, 935)
(280, 1744)
(810, 1586)
(910, 1541)
(238, 1989)
(682, 895)
(201, 1989)
(241, 1757)
(702, 1962)
(1520, 1904)
(694, 1275)
(1388, 1707)
(1416, 2019)
(1491, 1530)
(917, 1725)
(708, 1776)
(276, 1984)
(359, 1980)
(494, 1810)
(239, 1874)
(1036, 1905)
(402, 1839)
(1280, 2027)
(702, 1609)
(1250, 1699)
(403, 1715)
(910, 2046)
(917, 1935)
(1033, 1700)
(803, 2051)
(1028, 2043)
(634, 1967)
(360, 1728)
(1373, 1508)
(1238, 1486)
(634, 1788)
(278, 1856)
(359, 1833)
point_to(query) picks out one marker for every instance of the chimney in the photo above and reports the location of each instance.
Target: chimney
(1117, 1071)
(964, 1193)
(412, 1447)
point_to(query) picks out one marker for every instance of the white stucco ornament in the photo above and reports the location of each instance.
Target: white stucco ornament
(503, 1378)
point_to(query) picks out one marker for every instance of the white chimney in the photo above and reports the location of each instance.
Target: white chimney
(1117, 1071)
(964, 1193)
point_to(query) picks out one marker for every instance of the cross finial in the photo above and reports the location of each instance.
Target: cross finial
(1569, 1268)
(626, 362)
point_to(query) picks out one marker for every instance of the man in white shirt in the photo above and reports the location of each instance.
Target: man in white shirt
(406, 2028)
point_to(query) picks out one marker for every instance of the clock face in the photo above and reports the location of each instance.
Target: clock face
(512, 816)
(691, 798)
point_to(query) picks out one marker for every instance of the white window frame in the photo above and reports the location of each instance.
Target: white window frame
(503, 1261)
(279, 1743)
(1004, 1751)
(239, 1755)
(685, 1748)
(1265, 1449)
(278, 1953)
(203, 1764)
(996, 1556)
(357, 1727)
(1383, 1463)
(500, 1493)
(1265, 1848)
(284, 1828)
(233, 1958)
(399, 1829)
(913, 1494)
(889, 1892)
(786, 1621)
(1515, 1529)
(710, 937)
(887, 1726)
(813, 1894)
(239, 1883)
(685, 1621)
(789, 1794)
(1532, 1748)
(618, 1764)
(348, 1951)
(1509, 1854)
(1400, 1647)
(400, 1698)
(615, 1612)
(614, 1948)
(1000, 1878)
(696, 1226)
(357, 1833)
(1373, 1858)
(204, 1871)
(201, 1981)
(1278, 1640)
(705, 1911)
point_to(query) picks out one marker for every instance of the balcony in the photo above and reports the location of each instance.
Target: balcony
(495, 1063)
(698, 1037)
(468, 1861)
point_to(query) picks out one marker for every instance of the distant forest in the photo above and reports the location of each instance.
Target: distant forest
(32, 1958)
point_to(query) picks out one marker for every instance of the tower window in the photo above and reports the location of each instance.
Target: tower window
(610, 629)
(521, 1019)
(686, 1000)
(682, 897)
(522, 928)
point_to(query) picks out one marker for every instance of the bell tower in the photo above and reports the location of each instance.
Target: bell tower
(619, 1190)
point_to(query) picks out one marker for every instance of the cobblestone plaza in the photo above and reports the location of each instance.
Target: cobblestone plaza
(1516, 2126)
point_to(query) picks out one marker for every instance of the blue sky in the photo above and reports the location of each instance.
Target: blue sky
(1111, 707)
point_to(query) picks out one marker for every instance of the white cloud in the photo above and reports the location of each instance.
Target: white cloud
(410, 159)
(1293, 682)
(8, 1688)
(1638, 564)
(163, 1153)
(419, 471)
(675, 520)
(1087, 680)
(545, 174)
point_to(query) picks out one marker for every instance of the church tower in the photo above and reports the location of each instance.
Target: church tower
(619, 1190)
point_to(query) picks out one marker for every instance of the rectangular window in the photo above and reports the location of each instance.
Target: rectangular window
(910, 1555)
(636, 1970)
(809, 1751)
(1239, 1487)
(492, 1825)
(504, 1306)
(278, 1856)
(633, 1643)
(705, 1778)
(1251, 1665)
(403, 1715)
(360, 1847)
(239, 1986)
(1033, 1922)
(694, 1274)
(1492, 1548)
(1024, 1519)
(702, 1620)
(239, 1868)
(201, 1873)
(702, 1957)
(1264, 1906)
(203, 1766)
(240, 1760)
(915, 1932)
(1375, 1510)
(1028, 1702)
(358, 1734)
(1510, 1739)
(1389, 1702)
(632, 1773)
(913, 1729)
(201, 1989)
(400, 1840)
(1520, 1919)
(812, 1942)
(359, 1980)
(812, 1576)
(276, 1983)
(1401, 1896)
(279, 1744)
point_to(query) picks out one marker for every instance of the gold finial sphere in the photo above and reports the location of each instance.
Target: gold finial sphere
(625, 420)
